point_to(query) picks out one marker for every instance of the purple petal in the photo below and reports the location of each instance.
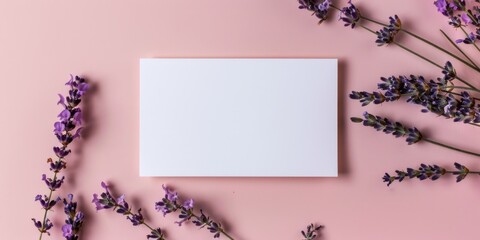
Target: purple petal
(82, 88)
(77, 118)
(104, 185)
(67, 230)
(70, 197)
(58, 127)
(121, 199)
(97, 203)
(62, 100)
(70, 82)
(64, 115)
(77, 133)
(188, 204)
(466, 19)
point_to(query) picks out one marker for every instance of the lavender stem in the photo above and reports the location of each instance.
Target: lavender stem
(450, 147)
(466, 34)
(420, 56)
(46, 211)
(476, 68)
(458, 48)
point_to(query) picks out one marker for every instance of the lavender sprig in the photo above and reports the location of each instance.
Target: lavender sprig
(435, 96)
(387, 34)
(460, 16)
(121, 206)
(70, 118)
(170, 203)
(432, 172)
(413, 135)
(319, 8)
(312, 232)
(74, 221)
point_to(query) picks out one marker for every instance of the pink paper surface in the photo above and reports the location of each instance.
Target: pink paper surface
(41, 42)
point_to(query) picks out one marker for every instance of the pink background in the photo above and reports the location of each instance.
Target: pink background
(41, 42)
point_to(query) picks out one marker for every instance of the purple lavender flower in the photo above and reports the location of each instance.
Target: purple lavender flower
(136, 218)
(61, 152)
(67, 231)
(455, 21)
(385, 36)
(458, 5)
(188, 204)
(74, 221)
(319, 8)
(61, 101)
(64, 115)
(434, 96)
(58, 128)
(98, 204)
(170, 203)
(350, 15)
(444, 7)
(432, 172)
(169, 194)
(470, 39)
(156, 234)
(395, 24)
(121, 206)
(108, 201)
(388, 127)
(449, 72)
(45, 202)
(68, 119)
(77, 117)
(43, 227)
(466, 19)
(312, 232)
(53, 184)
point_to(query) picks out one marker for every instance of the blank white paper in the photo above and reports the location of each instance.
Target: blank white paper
(238, 117)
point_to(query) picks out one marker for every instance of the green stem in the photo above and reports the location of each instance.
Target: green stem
(420, 56)
(458, 48)
(433, 63)
(476, 68)
(464, 88)
(460, 172)
(450, 147)
(46, 210)
(374, 21)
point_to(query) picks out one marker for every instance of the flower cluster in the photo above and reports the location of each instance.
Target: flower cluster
(439, 96)
(70, 118)
(121, 206)
(389, 127)
(432, 172)
(435, 96)
(460, 15)
(387, 34)
(312, 232)
(350, 15)
(74, 220)
(319, 8)
(171, 203)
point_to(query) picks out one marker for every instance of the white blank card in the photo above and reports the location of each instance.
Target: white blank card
(238, 117)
